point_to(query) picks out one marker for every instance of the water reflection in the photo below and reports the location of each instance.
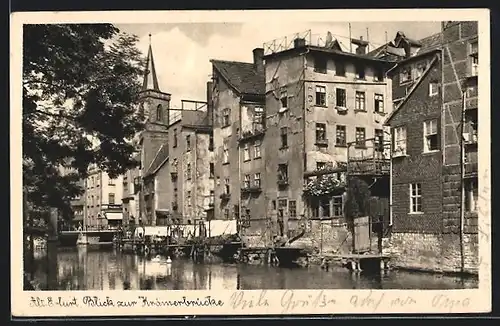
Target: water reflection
(87, 269)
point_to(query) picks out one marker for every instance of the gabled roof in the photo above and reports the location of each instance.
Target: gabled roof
(413, 88)
(244, 77)
(427, 45)
(160, 159)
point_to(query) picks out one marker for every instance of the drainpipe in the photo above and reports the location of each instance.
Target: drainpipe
(195, 179)
(462, 185)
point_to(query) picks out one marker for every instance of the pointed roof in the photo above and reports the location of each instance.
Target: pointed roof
(150, 78)
(159, 160)
(413, 88)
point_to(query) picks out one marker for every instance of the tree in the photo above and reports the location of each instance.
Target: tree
(80, 88)
(358, 197)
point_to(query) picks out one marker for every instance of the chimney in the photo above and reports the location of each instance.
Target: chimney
(361, 49)
(258, 59)
(299, 42)
(210, 106)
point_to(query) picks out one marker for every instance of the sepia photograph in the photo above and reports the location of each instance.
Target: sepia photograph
(224, 156)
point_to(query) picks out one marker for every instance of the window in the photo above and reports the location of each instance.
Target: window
(246, 181)
(292, 208)
(360, 72)
(325, 208)
(225, 118)
(211, 142)
(211, 197)
(225, 153)
(111, 198)
(471, 196)
(339, 68)
(212, 170)
(246, 152)
(320, 64)
(430, 136)
(337, 206)
(282, 204)
(258, 119)
(226, 214)
(433, 88)
(256, 180)
(415, 198)
(188, 143)
(474, 58)
(341, 136)
(111, 182)
(419, 69)
(159, 113)
(405, 75)
(175, 138)
(320, 95)
(320, 133)
(341, 97)
(360, 137)
(284, 137)
(227, 186)
(188, 171)
(256, 149)
(400, 141)
(283, 172)
(379, 74)
(284, 99)
(379, 140)
(188, 198)
(360, 101)
(379, 103)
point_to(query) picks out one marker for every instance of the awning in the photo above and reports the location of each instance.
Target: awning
(114, 216)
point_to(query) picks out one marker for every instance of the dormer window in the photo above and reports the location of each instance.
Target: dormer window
(320, 64)
(360, 71)
(405, 75)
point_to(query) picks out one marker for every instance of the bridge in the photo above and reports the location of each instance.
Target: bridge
(70, 237)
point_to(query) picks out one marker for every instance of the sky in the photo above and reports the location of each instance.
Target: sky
(182, 51)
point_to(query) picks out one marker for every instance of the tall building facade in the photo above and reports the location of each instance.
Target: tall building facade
(322, 106)
(237, 108)
(176, 178)
(434, 158)
(103, 199)
(155, 105)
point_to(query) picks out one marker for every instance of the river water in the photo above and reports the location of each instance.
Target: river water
(87, 269)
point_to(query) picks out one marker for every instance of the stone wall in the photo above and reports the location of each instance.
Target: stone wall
(336, 237)
(432, 252)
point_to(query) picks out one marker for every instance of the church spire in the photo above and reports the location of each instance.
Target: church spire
(150, 78)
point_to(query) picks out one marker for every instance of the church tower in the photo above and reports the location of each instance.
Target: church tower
(155, 105)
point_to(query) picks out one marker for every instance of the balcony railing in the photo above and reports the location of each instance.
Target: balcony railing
(251, 189)
(373, 166)
(256, 131)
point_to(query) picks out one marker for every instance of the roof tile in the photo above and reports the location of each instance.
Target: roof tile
(243, 76)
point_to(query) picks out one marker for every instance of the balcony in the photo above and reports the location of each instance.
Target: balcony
(283, 181)
(369, 166)
(257, 130)
(322, 142)
(251, 189)
(225, 196)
